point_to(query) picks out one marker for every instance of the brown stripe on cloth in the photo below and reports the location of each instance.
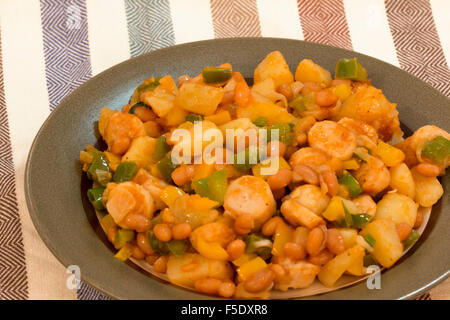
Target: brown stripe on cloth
(13, 272)
(417, 42)
(324, 22)
(235, 18)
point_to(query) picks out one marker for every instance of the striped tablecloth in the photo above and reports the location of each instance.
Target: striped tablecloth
(50, 47)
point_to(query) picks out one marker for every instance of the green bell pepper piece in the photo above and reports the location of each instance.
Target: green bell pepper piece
(107, 222)
(95, 197)
(260, 122)
(412, 238)
(351, 183)
(166, 167)
(157, 245)
(350, 69)
(161, 148)
(139, 104)
(177, 247)
(213, 187)
(215, 74)
(123, 236)
(360, 220)
(125, 171)
(250, 157)
(194, 117)
(259, 245)
(99, 170)
(370, 240)
(144, 87)
(201, 187)
(437, 150)
(285, 133)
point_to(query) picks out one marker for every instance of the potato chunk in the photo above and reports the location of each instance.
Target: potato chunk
(308, 71)
(388, 247)
(402, 180)
(199, 98)
(275, 67)
(141, 151)
(428, 189)
(398, 208)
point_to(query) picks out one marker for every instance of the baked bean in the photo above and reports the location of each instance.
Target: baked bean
(323, 257)
(181, 231)
(244, 224)
(419, 219)
(151, 259)
(168, 216)
(278, 271)
(311, 87)
(269, 228)
(403, 230)
(228, 97)
(227, 289)
(183, 174)
(138, 222)
(137, 253)
(280, 179)
(160, 264)
(428, 169)
(331, 181)
(143, 243)
(163, 232)
(315, 241)
(182, 79)
(276, 149)
(307, 174)
(242, 94)
(208, 285)
(304, 124)
(335, 241)
(111, 234)
(285, 90)
(294, 251)
(301, 138)
(279, 193)
(236, 249)
(325, 98)
(259, 281)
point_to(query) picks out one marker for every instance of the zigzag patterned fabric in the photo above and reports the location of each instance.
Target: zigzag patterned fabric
(58, 45)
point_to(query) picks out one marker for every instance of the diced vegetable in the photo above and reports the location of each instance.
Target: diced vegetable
(370, 240)
(350, 69)
(107, 222)
(267, 165)
(388, 247)
(95, 197)
(210, 250)
(260, 121)
(411, 240)
(198, 203)
(283, 234)
(351, 164)
(356, 268)
(147, 86)
(437, 150)
(166, 167)
(124, 253)
(351, 183)
(170, 194)
(274, 67)
(342, 91)
(161, 148)
(219, 118)
(259, 245)
(246, 257)
(157, 245)
(391, 156)
(285, 133)
(360, 220)
(308, 71)
(349, 235)
(194, 117)
(123, 236)
(251, 267)
(335, 210)
(216, 74)
(213, 187)
(246, 159)
(274, 113)
(402, 180)
(398, 208)
(99, 170)
(177, 247)
(302, 102)
(140, 151)
(199, 98)
(139, 104)
(428, 189)
(125, 171)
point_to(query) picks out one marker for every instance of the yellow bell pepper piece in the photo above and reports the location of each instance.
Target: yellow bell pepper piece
(391, 156)
(249, 268)
(211, 250)
(274, 113)
(246, 257)
(220, 117)
(124, 253)
(351, 164)
(357, 266)
(170, 194)
(203, 170)
(196, 202)
(335, 210)
(107, 222)
(113, 160)
(256, 170)
(342, 91)
(283, 234)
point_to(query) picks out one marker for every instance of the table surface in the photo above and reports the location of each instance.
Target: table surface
(48, 48)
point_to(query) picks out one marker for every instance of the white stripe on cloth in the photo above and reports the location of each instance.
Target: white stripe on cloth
(441, 10)
(191, 20)
(369, 29)
(279, 19)
(27, 102)
(108, 34)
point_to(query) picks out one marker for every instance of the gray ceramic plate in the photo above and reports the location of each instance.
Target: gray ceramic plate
(67, 224)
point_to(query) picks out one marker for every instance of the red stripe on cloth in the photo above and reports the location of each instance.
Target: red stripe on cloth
(417, 42)
(324, 22)
(13, 272)
(235, 18)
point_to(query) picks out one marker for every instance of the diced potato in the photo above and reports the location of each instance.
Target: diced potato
(265, 92)
(335, 210)
(283, 235)
(299, 274)
(199, 98)
(274, 113)
(334, 269)
(308, 71)
(220, 118)
(175, 117)
(402, 180)
(388, 247)
(244, 294)
(246, 257)
(349, 235)
(170, 194)
(357, 266)
(342, 91)
(152, 129)
(273, 66)
(398, 208)
(141, 152)
(105, 114)
(297, 215)
(428, 189)
(185, 270)
(391, 156)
